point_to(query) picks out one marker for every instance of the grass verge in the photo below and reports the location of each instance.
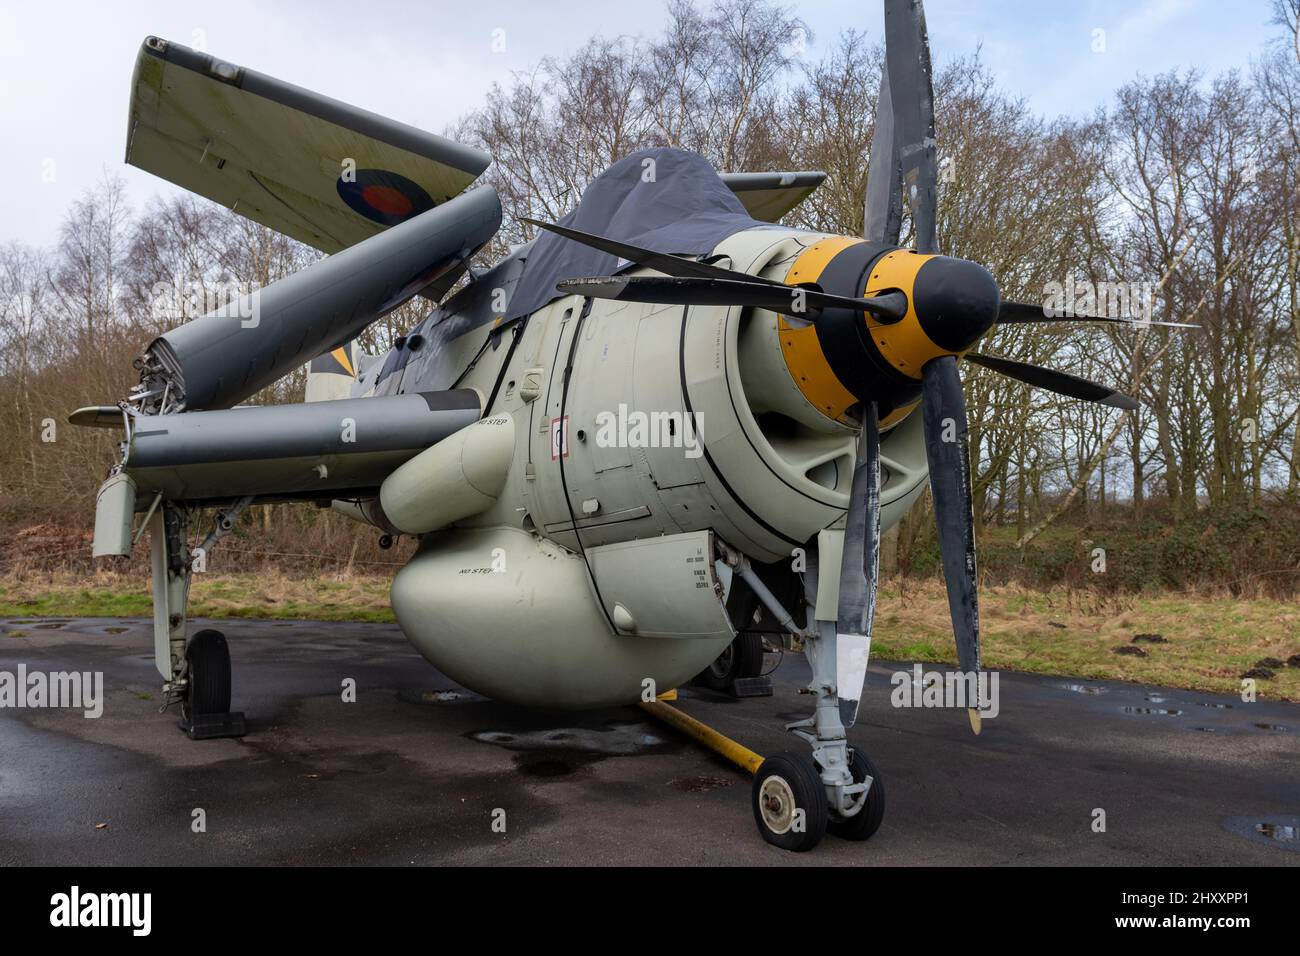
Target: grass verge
(1191, 640)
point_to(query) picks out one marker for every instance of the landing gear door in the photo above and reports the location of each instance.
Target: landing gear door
(663, 586)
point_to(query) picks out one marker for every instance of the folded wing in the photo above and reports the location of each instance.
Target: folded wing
(311, 167)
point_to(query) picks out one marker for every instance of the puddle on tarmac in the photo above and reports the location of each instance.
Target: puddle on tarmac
(1216, 706)
(116, 630)
(1157, 711)
(1282, 832)
(561, 751)
(442, 696)
(1278, 831)
(1086, 688)
(617, 740)
(1271, 727)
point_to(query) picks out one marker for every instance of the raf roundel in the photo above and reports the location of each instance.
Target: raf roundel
(384, 197)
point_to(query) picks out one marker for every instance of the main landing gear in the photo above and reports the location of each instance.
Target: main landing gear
(196, 672)
(205, 697)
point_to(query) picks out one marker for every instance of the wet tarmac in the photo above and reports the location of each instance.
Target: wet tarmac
(418, 770)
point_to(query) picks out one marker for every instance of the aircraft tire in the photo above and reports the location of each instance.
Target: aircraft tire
(786, 783)
(866, 821)
(742, 658)
(208, 691)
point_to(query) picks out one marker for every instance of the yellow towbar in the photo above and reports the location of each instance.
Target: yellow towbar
(742, 757)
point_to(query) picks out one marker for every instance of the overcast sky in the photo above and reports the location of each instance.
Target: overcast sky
(65, 68)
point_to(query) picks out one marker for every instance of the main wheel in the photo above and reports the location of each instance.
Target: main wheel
(208, 690)
(743, 657)
(789, 802)
(866, 821)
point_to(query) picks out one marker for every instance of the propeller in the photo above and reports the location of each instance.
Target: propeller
(903, 159)
(903, 162)
(691, 282)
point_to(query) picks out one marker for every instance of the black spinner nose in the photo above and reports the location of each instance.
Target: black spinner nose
(956, 302)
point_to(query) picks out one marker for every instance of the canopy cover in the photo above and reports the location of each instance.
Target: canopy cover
(666, 200)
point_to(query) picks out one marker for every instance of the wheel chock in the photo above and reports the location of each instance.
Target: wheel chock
(212, 726)
(751, 687)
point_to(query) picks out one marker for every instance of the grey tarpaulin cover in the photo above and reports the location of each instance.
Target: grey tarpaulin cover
(666, 200)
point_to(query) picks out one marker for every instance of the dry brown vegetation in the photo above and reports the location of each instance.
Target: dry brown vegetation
(1201, 641)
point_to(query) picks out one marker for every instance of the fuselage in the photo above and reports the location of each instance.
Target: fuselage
(632, 423)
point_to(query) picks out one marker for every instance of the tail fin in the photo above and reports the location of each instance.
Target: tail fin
(330, 376)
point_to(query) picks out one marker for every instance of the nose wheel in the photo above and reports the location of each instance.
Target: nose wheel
(792, 809)
(789, 802)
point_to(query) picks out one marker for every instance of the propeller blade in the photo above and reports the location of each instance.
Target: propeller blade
(943, 410)
(789, 299)
(859, 570)
(1021, 313)
(1063, 383)
(907, 58)
(671, 265)
(882, 219)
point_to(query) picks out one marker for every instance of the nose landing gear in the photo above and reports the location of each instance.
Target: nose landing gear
(798, 798)
(197, 671)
